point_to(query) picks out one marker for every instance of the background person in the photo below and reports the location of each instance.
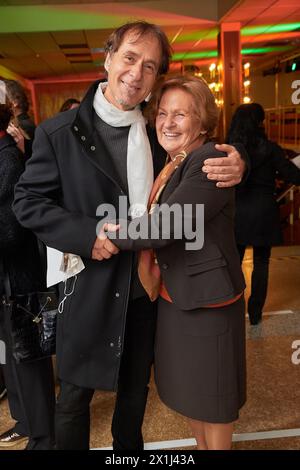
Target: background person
(21, 126)
(257, 221)
(70, 103)
(30, 387)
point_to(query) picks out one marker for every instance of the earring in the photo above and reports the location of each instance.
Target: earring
(203, 132)
(148, 97)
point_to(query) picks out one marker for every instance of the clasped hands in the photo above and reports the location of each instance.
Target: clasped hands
(103, 247)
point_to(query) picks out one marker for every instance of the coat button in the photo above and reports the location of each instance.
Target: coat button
(83, 138)
(117, 294)
(111, 345)
(165, 266)
(76, 128)
(93, 147)
(118, 354)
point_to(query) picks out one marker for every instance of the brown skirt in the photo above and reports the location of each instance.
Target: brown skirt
(200, 361)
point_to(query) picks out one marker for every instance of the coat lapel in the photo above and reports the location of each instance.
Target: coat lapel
(91, 143)
(95, 149)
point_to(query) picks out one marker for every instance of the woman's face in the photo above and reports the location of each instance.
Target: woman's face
(177, 126)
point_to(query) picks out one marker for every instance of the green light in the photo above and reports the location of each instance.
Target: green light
(194, 55)
(214, 53)
(247, 31)
(294, 66)
(203, 34)
(268, 29)
(265, 50)
(55, 18)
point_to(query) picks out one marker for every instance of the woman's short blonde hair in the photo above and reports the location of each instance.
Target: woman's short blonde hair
(204, 104)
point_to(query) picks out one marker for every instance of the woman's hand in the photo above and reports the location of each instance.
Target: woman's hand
(228, 171)
(17, 135)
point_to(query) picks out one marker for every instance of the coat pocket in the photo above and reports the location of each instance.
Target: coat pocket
(208, 276)
(200, 261)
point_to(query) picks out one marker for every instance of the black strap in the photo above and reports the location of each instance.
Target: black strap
(7, 285)
(43, 257)
(6, 280)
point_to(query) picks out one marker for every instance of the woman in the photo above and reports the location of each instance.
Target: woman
(30, 386)
(21, 126)
(200, 337)
(257, 214)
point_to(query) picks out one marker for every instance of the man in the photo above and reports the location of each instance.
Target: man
(81, 159)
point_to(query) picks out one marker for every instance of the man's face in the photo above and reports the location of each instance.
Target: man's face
(132, 70)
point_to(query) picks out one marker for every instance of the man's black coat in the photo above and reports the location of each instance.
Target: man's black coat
(68, 176)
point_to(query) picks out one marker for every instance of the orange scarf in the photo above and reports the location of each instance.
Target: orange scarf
(148, 269)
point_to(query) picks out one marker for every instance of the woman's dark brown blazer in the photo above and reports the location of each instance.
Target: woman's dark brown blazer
(193, 278)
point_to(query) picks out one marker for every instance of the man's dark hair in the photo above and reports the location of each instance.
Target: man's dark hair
(142, 28)
(5, 116)
(15, 92)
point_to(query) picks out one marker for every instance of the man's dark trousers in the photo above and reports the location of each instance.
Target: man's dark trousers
(72, 411)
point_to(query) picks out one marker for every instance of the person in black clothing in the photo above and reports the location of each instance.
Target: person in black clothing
(3, 390)
(30, 386)
(21, 127)
(257, 214)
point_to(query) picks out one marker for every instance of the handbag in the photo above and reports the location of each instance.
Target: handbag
(31, 320)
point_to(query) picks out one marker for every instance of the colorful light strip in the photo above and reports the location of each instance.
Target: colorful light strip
(268, 29)
(196, 35)
(74, 17)
(194, 55)
(265, 50)
(247, 51)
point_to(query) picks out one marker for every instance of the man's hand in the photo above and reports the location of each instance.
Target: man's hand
(228, 171)
(103, 247)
